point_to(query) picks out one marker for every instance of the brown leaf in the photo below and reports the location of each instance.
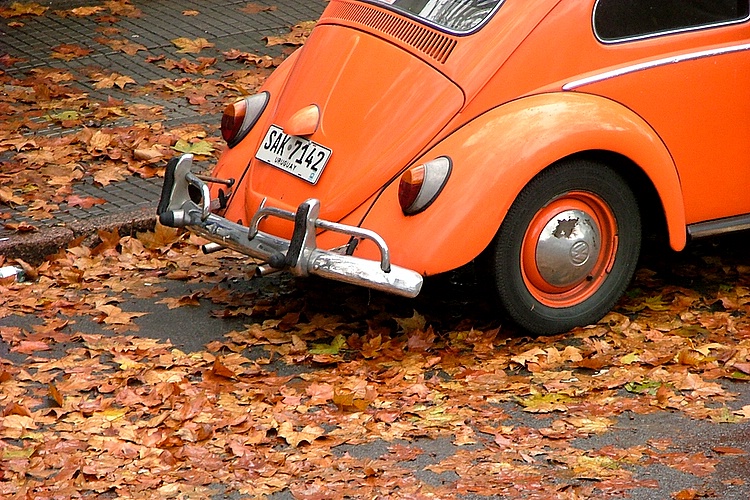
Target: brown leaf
(121, 45)
(254, 8)
(7, 60)
(109, 174)
(190, 409)
(30, 346)
(123, 8)
(697, 464)
(19, 143)
(17, 9)
(54, 393)
(297, 36)
(221, 370)
(8, 198)
(83, 202)
(30, 272)
(687, 494)
(294, 438)
(68, 52)
(14, 408)
(202, 66)
(186, 300)
(86, 11)
(690, 357)
(319, 393)
(20, 227)
(109, 241)
(348, 400)
(112, 80)
(194, 46)
(420, 341)
(161, 237)
(728, 450)
(594, 363)
(404, 453)
(113, 315)
(743, 367)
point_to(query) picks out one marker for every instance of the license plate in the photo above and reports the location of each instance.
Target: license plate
(298, 156)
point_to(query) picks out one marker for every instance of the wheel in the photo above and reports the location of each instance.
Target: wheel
(567, 248)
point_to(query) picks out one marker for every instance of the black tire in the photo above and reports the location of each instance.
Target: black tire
(550, 270)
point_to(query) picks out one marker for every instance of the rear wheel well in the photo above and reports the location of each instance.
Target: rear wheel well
(653, 219)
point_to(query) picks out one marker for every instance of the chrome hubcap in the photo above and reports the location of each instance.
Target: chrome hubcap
(568, 248)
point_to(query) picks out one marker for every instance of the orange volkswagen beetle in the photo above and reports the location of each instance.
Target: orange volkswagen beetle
(410, 137)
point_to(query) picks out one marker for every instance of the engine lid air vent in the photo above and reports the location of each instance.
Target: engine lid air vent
(433, 43)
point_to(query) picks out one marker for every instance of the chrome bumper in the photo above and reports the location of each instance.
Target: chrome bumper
(185, 202)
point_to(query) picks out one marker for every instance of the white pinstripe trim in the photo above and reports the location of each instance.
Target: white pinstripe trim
(607, 75)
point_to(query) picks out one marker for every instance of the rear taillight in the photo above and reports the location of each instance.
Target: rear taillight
(240, 117)
(420, 185)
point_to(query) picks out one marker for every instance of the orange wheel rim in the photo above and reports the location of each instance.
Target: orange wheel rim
(568, 249)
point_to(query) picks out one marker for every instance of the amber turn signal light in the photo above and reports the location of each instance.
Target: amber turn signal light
(420, 185)
(239, 118)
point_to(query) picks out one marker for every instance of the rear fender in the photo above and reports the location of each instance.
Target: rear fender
(496, 155)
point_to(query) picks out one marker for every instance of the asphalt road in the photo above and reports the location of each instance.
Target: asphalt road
(446, 303)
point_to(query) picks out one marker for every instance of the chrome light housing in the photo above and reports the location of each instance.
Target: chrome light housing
(420, 185)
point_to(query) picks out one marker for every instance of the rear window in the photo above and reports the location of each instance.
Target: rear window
(626, 19)
(458, 16)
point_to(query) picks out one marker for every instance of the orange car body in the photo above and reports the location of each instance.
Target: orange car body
(533, 84)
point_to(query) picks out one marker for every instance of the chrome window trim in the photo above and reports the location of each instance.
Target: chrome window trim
(607, 75)
(660, 33)
(443, 29)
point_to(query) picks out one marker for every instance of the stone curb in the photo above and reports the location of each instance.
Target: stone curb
(35, 246)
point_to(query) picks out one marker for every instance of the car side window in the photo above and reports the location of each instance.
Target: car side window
(616, 20)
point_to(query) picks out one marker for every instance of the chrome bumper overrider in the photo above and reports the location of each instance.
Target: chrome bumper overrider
(185, 202)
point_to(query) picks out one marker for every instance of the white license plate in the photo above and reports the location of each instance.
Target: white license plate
(300, 157)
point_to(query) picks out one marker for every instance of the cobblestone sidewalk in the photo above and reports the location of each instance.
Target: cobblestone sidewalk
(27, 41)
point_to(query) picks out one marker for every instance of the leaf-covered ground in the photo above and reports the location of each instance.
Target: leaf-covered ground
(315, 376)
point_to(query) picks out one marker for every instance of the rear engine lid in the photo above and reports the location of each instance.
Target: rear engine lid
(378, 105)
